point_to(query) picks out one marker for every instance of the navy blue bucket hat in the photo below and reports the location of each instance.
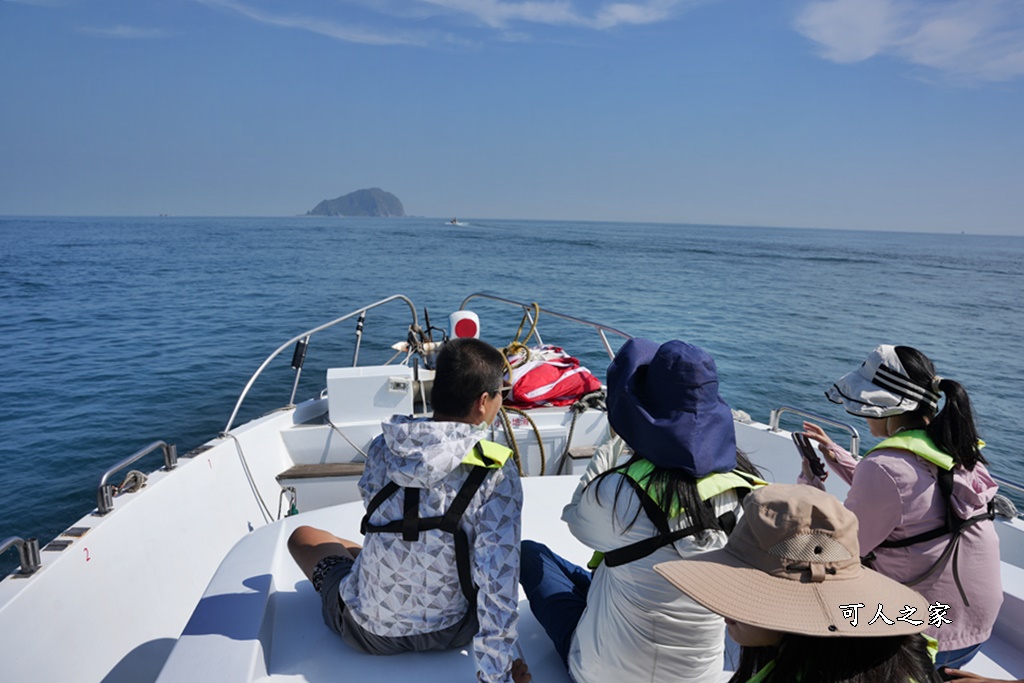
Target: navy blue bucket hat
(663, 401)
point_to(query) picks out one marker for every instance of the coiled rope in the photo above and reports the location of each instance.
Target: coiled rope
(133, 481)
(519, 347)
(595, 399)
(511, 439)
(516, 346)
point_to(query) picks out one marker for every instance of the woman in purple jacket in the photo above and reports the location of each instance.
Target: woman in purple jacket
(922, 496)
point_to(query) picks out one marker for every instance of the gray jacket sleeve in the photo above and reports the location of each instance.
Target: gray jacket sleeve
(496, 574)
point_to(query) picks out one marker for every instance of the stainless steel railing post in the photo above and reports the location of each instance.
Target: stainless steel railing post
(773, 425)
(28, 553)
(105, 491)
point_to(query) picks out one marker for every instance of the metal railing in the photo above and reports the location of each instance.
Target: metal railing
(528, 308)
(304, 337)
(28, 553)
(105, 491)
(1003, 482)
(773, 424)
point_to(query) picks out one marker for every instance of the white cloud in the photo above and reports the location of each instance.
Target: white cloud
(634, 13)
(331, 29)
(966, 40)
(446, 22)
(44, 3)
(500, 13)
(121, 31)
(849, 31)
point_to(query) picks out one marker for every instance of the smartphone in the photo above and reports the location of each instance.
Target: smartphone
(806, 449)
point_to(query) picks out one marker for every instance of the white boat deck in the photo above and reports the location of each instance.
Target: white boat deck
(260, 618)
(112, 596)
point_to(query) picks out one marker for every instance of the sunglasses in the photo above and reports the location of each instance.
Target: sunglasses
(504, 390)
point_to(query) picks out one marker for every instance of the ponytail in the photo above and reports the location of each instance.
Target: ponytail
(952, 429)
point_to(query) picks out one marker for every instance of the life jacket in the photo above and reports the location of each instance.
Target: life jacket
(548, 376)
(920, 444)
(638, 476)
(484, 457)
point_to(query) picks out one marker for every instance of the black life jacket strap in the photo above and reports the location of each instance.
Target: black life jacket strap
(658, 516)
(945, 483)
(385, 492)
(451, 518)
(641, 549)
(954, 526)
(665, 536)
(410, 514)
(412, 524)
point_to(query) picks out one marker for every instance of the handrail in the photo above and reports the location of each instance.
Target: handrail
(1008, 484)
(28, 553)
(309, 333)
(773, 425)
(105, 491)
(601, 329)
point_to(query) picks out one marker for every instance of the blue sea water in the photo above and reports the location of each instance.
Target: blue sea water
(118, 331)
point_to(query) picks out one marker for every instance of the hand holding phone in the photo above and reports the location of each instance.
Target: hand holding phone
(806, 449)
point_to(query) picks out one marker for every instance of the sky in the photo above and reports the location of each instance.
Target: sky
(854, 114)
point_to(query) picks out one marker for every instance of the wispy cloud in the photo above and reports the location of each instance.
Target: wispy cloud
(124, 32)
(433, 21)
(41, 3)
(966, 40)
(325, 27)
(500, 14)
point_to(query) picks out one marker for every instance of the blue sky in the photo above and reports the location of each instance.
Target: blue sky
(861, 114)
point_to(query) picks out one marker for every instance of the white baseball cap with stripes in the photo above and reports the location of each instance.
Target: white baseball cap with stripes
(880, 387)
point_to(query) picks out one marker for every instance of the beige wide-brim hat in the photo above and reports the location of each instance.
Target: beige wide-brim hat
(792, 564)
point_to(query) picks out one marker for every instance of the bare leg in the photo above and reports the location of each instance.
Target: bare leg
(308, 545)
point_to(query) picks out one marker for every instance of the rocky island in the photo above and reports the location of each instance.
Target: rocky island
(371, 202)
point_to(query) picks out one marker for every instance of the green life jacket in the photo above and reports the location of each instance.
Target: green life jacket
(920, 444)
(761, 675)
(482, 458)
(639, 477)
(488, 454)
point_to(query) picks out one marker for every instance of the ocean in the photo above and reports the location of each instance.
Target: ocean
(119, 331)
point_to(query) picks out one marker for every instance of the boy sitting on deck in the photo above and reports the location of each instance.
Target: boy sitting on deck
(412, 587)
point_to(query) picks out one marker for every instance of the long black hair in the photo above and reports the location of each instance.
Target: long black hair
(676, 489)
(952, 429)
(811, 659)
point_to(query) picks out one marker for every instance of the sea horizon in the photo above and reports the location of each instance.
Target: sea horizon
(463, 219)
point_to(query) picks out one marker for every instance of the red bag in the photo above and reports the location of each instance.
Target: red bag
(548, 376)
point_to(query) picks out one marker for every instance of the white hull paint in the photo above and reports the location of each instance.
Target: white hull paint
(189, 578)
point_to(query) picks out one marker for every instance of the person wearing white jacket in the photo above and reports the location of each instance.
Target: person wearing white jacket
(672, 498)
